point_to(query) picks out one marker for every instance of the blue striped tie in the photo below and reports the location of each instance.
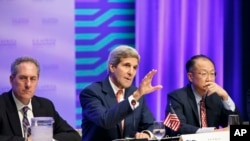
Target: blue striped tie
(26, 124)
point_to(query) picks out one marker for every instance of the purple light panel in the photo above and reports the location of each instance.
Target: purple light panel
(169, 32)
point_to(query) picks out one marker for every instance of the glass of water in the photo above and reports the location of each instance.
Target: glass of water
(233, 120)
(42, 128)
(159, 129)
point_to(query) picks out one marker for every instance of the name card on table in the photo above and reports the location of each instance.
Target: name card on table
(163, 139)
(212, 136)
(130, 139)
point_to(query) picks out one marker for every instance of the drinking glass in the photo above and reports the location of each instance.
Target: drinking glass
(42, 128)
(233, 120)
(159, 129)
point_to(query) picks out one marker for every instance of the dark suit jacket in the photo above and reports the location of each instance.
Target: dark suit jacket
(248, 105)
(185, 106)
(10, 128)
(102, 114)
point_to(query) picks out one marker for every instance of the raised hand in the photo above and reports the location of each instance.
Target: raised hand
(145, 86)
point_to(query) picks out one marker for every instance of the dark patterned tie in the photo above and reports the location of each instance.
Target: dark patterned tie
(26, 128)
(203, 113)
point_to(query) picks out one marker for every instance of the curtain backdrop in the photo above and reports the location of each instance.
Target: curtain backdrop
(169, 32)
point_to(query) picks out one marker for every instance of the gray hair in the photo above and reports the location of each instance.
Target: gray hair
(122, 51)
(20, 60)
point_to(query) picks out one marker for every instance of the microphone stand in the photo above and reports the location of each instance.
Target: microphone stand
(133, 102)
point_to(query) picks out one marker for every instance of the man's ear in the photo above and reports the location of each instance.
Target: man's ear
(190, 76)
(111, 67)
(11, 78)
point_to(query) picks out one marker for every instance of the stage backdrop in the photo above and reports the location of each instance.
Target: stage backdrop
(73, 44)
(169, 32)
(100, 26)
(43, 29)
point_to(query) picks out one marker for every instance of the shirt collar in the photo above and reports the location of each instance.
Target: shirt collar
(19, 104)
(196, 95)
(114, 87)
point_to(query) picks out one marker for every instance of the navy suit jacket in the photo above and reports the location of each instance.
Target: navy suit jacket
(102, 115)
(10, 128)
(185, 106)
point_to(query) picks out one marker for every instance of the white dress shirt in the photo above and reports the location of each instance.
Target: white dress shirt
(20, 106)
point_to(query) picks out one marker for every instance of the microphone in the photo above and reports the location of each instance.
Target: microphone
(133, 103)
(175, 121)
(171, 108)
(172, 112)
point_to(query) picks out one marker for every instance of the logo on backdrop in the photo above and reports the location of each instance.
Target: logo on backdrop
(49, 21)
(43, 0)
(44, 42)
(20, 21)
(48, 89)
(50, 67)
(8, 1)
(8, 43)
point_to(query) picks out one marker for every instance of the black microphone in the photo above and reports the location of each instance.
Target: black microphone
(172, 112)
(171, 108)
(133, 103)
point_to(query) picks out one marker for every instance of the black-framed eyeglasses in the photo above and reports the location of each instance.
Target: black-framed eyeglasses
(205, 74)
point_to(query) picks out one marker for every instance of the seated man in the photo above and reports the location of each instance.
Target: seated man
(202, 105)
(24, 78)
(114, 108)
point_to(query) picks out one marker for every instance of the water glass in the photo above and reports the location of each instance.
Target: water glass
(159, 129)
(42, 128)
(233, 120)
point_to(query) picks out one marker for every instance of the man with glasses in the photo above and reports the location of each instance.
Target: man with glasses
(186, 102)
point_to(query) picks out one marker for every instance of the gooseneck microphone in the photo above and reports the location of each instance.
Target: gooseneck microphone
(133, 103)
(171, 125)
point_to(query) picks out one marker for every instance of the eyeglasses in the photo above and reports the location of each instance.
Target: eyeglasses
(205, 74)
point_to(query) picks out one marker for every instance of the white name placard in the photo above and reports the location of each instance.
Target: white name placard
(212, 136)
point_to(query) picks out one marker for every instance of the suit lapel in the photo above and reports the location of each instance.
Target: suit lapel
(109, 98)
(193, 103)
(108, 94)
(12, 115)
(37, 110)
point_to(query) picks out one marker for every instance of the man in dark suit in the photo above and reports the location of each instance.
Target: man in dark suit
(105, 118)
(186, 101)
(24, 79)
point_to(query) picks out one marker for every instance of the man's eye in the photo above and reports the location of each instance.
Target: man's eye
(22, 78)
(33, 79)
(203, 73)
(127, 65)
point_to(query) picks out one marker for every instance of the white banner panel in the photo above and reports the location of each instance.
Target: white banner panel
(212, 136)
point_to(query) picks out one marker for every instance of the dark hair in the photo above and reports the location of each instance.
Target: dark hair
(20, 60)
(191, 62)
